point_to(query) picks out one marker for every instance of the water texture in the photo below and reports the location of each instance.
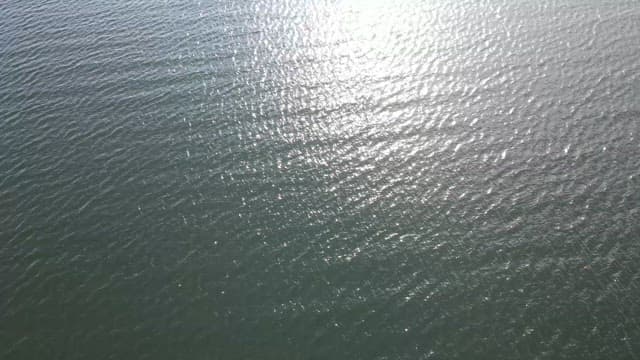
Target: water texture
(300, 179)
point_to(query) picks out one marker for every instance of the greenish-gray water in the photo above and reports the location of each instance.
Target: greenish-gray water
(300, 179)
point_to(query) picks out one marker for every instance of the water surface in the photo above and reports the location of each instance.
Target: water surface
(319, 179)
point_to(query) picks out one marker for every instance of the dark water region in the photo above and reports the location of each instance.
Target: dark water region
(341, 179)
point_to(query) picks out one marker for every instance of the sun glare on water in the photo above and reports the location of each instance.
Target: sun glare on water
(366, 53)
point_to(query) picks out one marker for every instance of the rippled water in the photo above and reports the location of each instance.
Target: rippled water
(319, 179)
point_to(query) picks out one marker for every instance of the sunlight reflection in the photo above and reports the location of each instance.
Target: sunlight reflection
(366, 72)
(372, 53)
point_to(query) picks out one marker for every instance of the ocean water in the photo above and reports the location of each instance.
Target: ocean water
(301, 179)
